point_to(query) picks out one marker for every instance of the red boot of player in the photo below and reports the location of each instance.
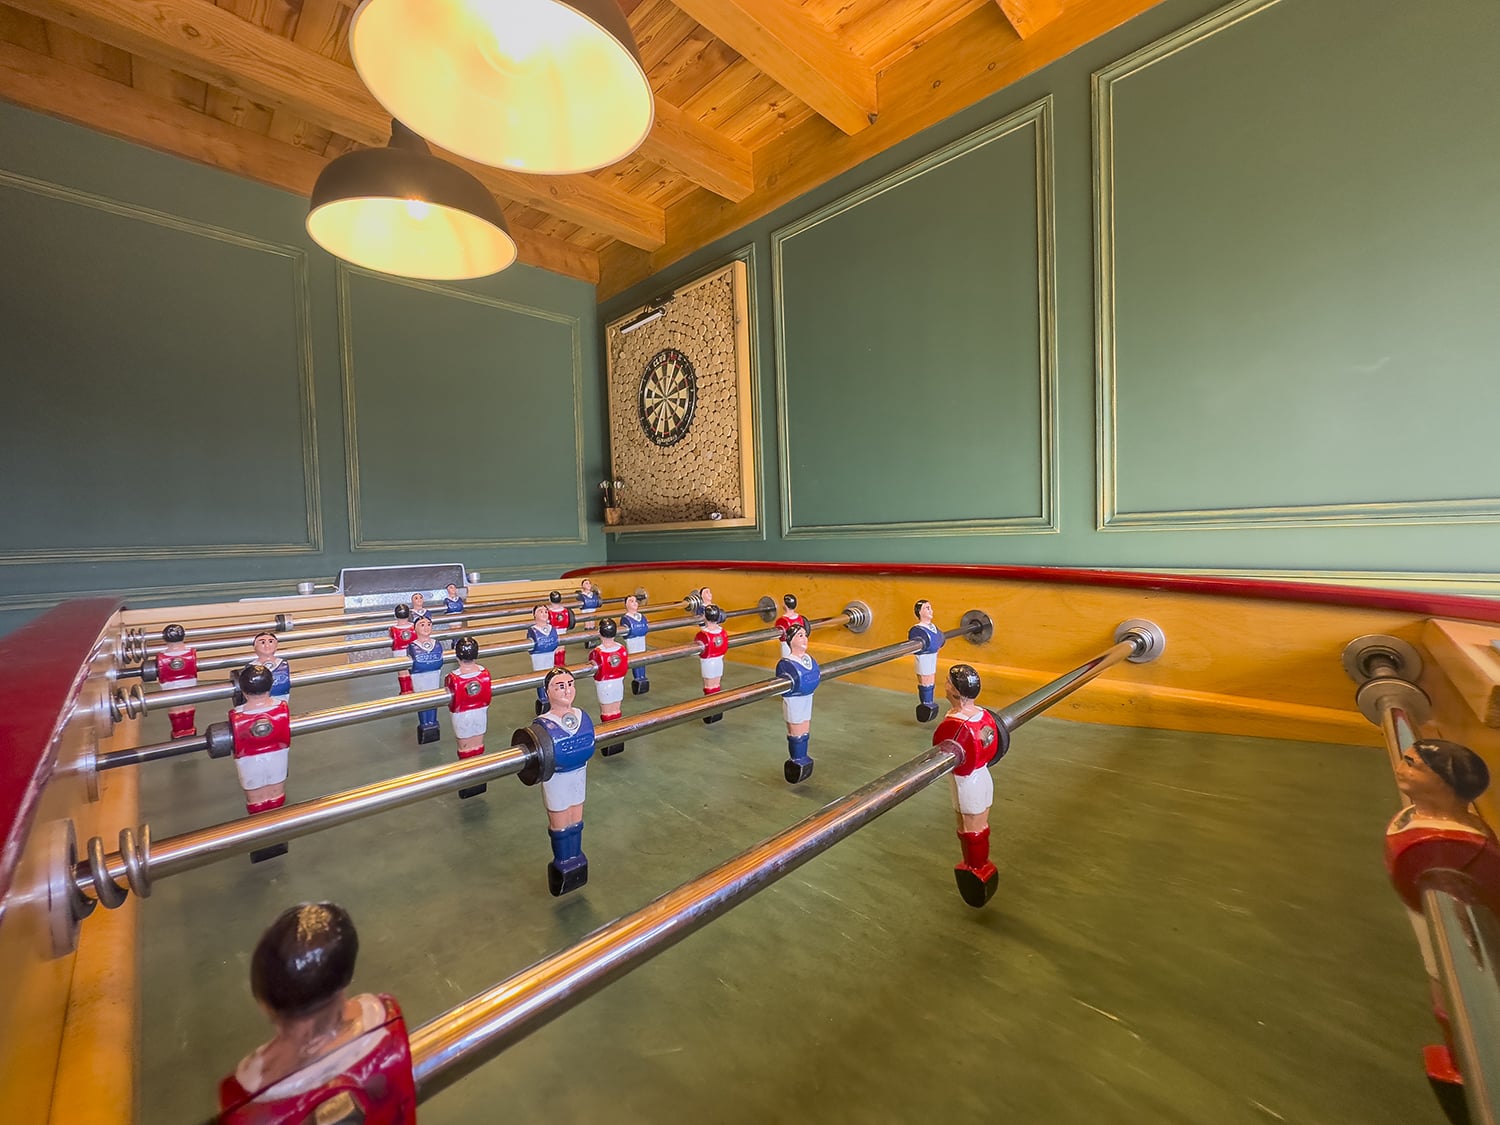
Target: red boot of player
(712, 718)
(270, 851)
(182, 723)
(976, 875)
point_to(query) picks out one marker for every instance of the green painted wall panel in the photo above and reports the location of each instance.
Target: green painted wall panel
(1374, 152)
(140, 310)
(87, 273)
(956, 335)
(436, 382)
(1301, 242)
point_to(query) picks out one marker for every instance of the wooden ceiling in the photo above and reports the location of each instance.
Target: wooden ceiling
(757, 101)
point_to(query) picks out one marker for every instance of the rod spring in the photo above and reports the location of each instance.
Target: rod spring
(133, 647)
(135, 851)
(859, 616)
(128, 703)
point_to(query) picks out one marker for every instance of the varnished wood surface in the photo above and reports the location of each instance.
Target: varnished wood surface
(755, 102)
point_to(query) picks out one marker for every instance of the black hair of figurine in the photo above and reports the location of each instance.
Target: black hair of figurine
(403, 612)
(789, 600)
(793, 629)
(174, 634)
(608, 628)
(552, 675)
(965, 680)
(916, 610)
(304, 959)
(255, 679)
(713, 613)
(466, 648)
(555, 597)
(1461, 769)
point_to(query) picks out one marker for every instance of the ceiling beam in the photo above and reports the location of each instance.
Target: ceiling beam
(689, 147)
(45, 84)
(216, 46)
(1030, 16)
(785, 43)
(976, 57)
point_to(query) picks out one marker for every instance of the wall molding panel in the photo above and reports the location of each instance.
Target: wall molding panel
(1038, 118)
(359, 539)
(1106, 90)
(296, 261)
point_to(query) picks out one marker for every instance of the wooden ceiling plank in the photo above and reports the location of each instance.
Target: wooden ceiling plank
(1030, 16)
(164, 82)
(710, 160)
(225, 51)
(317, 25)
(971, 60)
(84, 98)
(797, 52)
(23, 29)
(87, 53)
(696, 62)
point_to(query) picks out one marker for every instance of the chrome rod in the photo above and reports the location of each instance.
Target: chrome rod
(513, 622)
(449, 1047)
(1466, 944)
(392, 705)
(1038, 701)
(191, 850)
(244, 835)
(458, 1041)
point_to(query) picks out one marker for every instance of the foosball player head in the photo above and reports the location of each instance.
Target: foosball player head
(335, 1058)
(270, 851)
(926, 712)
(555, 597)
(796, 771)
(428, 733)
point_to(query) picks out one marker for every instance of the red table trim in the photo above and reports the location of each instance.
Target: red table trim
(45, 662)
(1430, 605)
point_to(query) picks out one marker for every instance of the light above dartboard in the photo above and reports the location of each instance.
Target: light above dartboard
(667, 398)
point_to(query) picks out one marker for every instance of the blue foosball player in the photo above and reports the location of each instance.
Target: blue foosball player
(802, 670)
(932, 640)
(545, 649)
(633, 629)
(571, 734)
(426, 653)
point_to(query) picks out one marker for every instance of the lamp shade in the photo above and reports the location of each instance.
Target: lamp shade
(401, 210)
(545, 86)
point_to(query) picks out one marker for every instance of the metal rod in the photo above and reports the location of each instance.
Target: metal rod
(513, 622)
(1038, 701)
(449, 1047)
(249, 833)
(1466, 945)
(353, 713)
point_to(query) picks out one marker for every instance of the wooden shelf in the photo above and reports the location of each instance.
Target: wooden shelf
(1464, 652)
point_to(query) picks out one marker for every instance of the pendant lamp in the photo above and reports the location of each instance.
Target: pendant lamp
(401, 210)
(541, 86)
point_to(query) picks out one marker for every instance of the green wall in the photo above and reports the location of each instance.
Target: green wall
(204, 405)
(1217, 291)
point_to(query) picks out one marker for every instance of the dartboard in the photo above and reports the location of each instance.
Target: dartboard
(668, 397)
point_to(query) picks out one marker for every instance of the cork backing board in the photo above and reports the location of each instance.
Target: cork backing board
(680, 411)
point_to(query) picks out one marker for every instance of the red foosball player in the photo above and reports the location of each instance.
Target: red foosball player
(177, 667)
(611, 662)
(262, 746)
(714, 644)
(788, 619)
(561, 618)
(403, 632)
(979, 736)
(1439, 838)
(469, 686)
(335, 1059)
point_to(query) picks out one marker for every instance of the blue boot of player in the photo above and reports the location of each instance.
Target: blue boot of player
(798, 766)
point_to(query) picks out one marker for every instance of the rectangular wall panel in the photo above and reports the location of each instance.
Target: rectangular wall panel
(463, 418)
(150, 417)
(915, 346)
(1299, 262)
